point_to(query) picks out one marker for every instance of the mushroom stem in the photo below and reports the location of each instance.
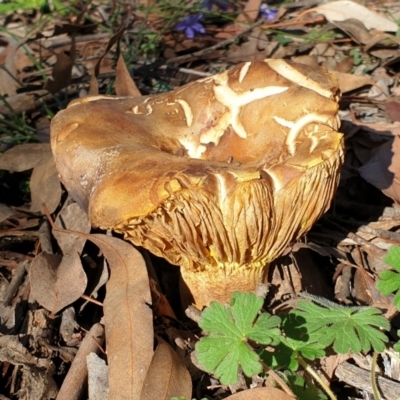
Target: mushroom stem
(216, 284)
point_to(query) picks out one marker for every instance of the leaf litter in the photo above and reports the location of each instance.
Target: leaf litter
(48, 64)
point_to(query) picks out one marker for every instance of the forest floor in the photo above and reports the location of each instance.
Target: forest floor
(55, 286)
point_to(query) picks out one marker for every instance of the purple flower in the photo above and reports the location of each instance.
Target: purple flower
(267, 12)
(191, 25)
(222, 4)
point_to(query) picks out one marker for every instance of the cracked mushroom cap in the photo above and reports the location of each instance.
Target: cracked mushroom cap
(217, 176)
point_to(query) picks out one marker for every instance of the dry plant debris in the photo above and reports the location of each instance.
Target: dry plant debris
(58, 280)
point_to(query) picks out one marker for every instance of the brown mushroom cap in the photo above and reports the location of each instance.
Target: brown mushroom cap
(217, 176)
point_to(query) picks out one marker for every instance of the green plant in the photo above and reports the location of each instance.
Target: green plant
(238, 334)
(14, 129)
(227, 348)
(389, 280)
(357, 56)
(8, 6)
(319, 36)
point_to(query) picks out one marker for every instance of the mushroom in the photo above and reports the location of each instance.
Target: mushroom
(217, 176)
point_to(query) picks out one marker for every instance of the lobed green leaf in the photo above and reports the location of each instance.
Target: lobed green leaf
(230, 327)
(347, 328)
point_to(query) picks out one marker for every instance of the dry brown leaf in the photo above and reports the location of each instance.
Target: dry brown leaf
(250, 12)
(57, 281)
(392, 110)
(74, 218)
(21, 102)
(257, 47)
(330, 363)
(8, 73)
(25, 156)
(345, 9)
(311, 60)
(128, 317)
(124, 84)
(18, 103)
(383, 169)
(263, 393)
(94, 85)
(349, 82)
(167, 376)
(346, 65)
(45, 187)
(62, 70)
(356, 29)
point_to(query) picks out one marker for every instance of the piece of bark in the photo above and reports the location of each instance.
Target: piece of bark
(361, 379)
(15, 283)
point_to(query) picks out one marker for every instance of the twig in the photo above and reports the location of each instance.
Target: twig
(374, 385)
(15, 283)
(91, 300)
(278, 379)
(76, 380)
(308, 369)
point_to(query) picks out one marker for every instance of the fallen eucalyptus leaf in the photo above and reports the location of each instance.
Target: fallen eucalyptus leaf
(128, 317)
(345, 9)
(167, 376)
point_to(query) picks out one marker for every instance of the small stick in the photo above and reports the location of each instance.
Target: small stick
(76, 379)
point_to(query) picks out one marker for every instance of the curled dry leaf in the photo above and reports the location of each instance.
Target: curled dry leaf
(263, 393)
(57, 281)
(345, 9)
(167, 376)
(94, 85)
(124, 84)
